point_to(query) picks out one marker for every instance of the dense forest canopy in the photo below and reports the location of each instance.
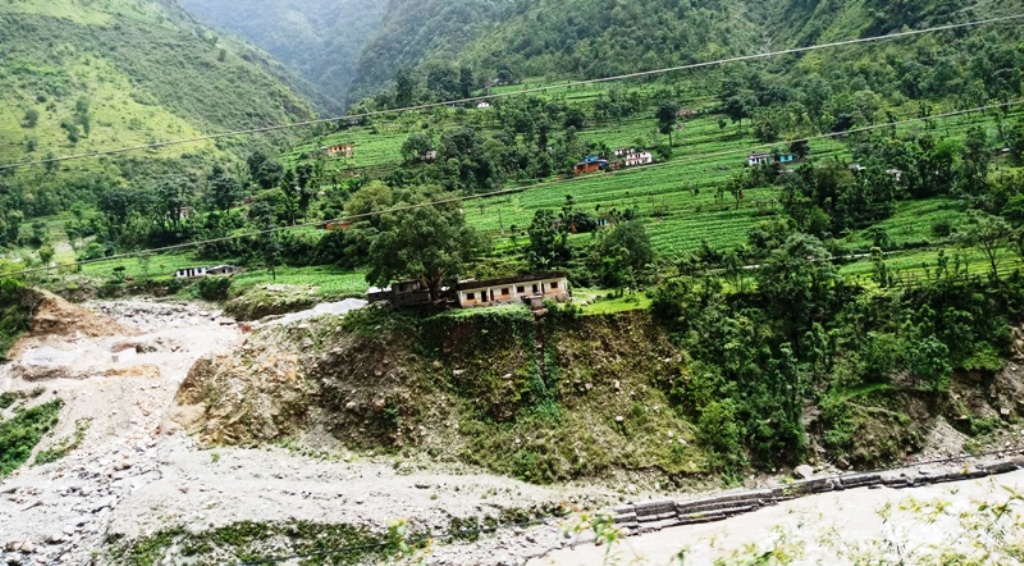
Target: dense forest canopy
(415, 31)
(511, 40)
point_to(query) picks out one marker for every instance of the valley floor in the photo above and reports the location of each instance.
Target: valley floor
(883, 526)
(134, 473)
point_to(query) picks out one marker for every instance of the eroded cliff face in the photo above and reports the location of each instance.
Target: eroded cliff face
(544, 400)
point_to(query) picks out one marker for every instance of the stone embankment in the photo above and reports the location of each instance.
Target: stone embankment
(652, 516)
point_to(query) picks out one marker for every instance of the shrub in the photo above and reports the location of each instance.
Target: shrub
(19, 435)
(31, 118)
(14, 313)
(719, 429)
(214, 288)
(942, 228)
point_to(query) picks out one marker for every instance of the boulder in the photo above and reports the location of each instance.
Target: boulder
(804, 472)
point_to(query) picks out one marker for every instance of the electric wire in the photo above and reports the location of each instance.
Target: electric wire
(487, 97)
(507, 191)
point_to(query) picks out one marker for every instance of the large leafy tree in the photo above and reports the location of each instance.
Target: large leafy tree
(972, 178)
(268, 246)
(467, 164)
(224, 189)
(429, 243)
(667, 114)
(798, 282)
(266, 173)
(416, 146)
(624, 255)
(549, 244)
(990, 234)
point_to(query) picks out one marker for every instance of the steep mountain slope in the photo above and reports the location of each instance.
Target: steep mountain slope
(415, 31)
(596, 39)
(319, 39)
(555, 39)
(86, 76)
(523, 38)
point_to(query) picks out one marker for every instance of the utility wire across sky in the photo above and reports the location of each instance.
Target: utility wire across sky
(653, 72)
(511, 190)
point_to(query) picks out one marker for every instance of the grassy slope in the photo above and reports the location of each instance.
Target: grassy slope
(148, 71)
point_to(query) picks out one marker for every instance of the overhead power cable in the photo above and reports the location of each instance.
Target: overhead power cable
(653, 72)
(511, 190)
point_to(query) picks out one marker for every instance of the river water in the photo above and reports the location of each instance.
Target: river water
(860, 526)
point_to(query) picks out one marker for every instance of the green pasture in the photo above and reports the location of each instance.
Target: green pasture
(330, 282)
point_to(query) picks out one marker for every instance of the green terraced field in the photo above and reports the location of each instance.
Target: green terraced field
(679, 200)
(705, 159)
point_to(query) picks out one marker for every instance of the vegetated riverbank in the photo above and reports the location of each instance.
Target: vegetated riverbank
(603, 399)
(106, 476)
(430, 396)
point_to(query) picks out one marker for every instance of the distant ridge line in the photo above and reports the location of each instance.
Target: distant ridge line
(718, 62)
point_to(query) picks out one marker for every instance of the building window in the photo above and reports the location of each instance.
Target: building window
(534, 287)
(470, 296)
(554, 285)
(504, 292)
(520, 290)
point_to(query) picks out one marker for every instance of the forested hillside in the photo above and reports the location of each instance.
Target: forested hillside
(505, 42)
(85, 76)
(91, 76)
(589, 39)
(416, 31)
(319, 39)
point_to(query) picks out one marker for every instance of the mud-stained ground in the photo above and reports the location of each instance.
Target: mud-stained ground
(135, 472)
(928, 525)
(132, 472)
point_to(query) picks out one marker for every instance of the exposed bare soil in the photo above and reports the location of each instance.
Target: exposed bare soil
(117, 366)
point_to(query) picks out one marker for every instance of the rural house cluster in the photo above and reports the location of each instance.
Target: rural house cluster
(624, 157)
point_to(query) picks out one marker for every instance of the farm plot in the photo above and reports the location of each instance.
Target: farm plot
(916, 222)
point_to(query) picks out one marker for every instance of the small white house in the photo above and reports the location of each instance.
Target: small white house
(642, 158)
(197, 272)
(483, 105)
(755, 159)
(549, 286)
(190, 273)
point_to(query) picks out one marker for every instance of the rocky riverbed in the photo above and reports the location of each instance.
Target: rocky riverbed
(134, 473)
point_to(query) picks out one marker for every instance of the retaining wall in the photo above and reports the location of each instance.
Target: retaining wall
(657, 515)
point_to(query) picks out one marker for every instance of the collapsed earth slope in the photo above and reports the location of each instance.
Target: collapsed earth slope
(556, 399)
